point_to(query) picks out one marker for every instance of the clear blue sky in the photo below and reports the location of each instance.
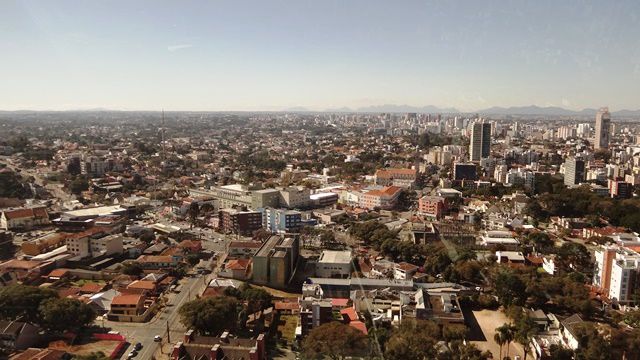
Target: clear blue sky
(264, 55)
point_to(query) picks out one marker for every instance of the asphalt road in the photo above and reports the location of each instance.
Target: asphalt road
(144, 333)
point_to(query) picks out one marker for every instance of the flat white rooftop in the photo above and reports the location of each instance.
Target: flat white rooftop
(335, 257)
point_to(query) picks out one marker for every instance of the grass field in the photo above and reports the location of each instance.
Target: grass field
(287, 327)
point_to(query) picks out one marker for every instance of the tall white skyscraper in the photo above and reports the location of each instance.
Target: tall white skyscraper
(603, 129)
(480, 145)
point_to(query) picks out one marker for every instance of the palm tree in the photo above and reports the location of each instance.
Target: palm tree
(510, 334)
(497, 337)
(524, 338)
(506, 334)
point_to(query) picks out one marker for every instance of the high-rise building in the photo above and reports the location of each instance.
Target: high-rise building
(480, 145)
(465, 171)
(603, 129)
(616, 273)
(573, 171)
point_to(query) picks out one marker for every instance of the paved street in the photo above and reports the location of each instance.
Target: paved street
(144, 333)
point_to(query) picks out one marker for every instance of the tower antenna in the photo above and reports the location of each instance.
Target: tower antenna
(162, 134)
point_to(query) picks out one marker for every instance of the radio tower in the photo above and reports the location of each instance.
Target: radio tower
(162, 135)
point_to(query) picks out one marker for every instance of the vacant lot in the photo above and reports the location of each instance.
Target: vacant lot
(488, 321)
(104, 346)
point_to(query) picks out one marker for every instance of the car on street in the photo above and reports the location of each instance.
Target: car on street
(157, 338)
(132, 354)
(138, 346)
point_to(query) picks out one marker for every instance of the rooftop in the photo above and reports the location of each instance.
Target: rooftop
(336, 257)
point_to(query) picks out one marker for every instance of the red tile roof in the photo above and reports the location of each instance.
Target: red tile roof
(349, 314)
(91, 288)
(238, 264)
(359, 325)
(126, 299)
(39, 212)
(58, 273)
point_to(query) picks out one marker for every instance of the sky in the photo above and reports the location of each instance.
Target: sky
(272, 55)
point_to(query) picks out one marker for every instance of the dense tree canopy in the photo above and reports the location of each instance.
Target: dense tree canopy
(23, 302)
(334, 340)
(65, 314)
(413, 340)
(210, 315)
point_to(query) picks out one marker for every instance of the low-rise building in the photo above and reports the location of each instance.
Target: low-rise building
(24, 218)
(281, 221)
(432, 206)
(334, 264)
(225, 346)
(385, 198)
(275, 261)
(239, 222)
(129, 308)
(405, 178)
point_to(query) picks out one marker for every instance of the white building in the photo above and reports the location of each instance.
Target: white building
(497, 237)
(334, 264)
(616, 272)
(86, 246)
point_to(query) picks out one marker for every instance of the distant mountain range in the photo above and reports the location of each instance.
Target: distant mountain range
(393, 108)
(530, 110)
(496, 110)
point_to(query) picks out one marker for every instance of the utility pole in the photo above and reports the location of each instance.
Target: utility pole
(168, 333)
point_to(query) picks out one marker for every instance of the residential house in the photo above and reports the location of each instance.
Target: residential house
(24, 218)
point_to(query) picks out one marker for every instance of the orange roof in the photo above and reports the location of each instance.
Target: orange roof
(349, 313)
(127, 300)
(66, 292)
(40, 212)
(387, 191)
(142, 284)
(406, 266)
(359, 325)
(58, 273)
(91, 288)
(238, 264)
(286, 305)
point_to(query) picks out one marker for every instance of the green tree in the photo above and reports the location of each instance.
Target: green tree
(210, 315)
(459, 350)
(335, 341)
(509, 288)
(65, 314)
(78, 185)
(131, 268)
(413, 340)
(22, 302)
(257, 299)
(500, 340)
(507, 334)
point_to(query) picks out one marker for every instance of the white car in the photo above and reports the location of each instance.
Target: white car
(157, 338)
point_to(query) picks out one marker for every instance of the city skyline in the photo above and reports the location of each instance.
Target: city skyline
(226, 56)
